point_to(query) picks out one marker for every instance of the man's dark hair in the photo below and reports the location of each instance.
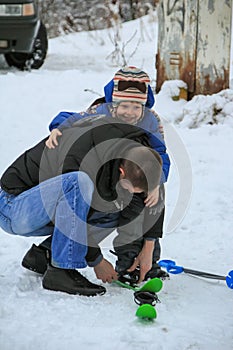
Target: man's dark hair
(142, 167)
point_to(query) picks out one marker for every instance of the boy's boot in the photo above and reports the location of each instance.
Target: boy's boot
(37, 259)
(156, 271)
(126, 255)
(133, 277)
(70, 281)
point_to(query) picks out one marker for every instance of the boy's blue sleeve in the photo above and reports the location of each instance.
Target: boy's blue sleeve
(65, 120)
(158, 145)
(151, 125)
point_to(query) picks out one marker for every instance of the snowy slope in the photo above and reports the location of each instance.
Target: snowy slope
(194, 314)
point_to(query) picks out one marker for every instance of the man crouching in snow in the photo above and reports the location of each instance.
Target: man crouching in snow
(96, 168)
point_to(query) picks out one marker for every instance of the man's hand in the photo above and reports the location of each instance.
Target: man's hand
(152, 198)
(105, 271)
(143, 260)
(52, 140)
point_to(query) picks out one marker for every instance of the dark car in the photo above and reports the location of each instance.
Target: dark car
(23, 37)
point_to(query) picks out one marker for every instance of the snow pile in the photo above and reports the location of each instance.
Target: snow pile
(168, 107)
(200, 110)
(210, 109)
(171, 88)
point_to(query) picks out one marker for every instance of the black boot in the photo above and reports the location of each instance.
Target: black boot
(70, 281)
(156, 271)
(130, 278)
(37, 259)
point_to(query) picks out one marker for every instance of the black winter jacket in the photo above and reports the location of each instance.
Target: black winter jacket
(94, 146)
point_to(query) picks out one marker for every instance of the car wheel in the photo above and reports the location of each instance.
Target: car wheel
(33, 60)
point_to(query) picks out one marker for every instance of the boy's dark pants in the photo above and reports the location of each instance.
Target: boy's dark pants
(130, 240)
(134, 224)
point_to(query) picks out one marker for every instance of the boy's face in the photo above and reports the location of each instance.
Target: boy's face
(129, 112)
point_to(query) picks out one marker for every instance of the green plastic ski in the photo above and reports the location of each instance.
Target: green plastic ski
(145, 311)
(153, 285)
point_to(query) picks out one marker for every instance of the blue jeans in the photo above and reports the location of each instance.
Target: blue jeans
(65, 200)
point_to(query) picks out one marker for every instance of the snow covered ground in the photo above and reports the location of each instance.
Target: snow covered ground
(194, 314)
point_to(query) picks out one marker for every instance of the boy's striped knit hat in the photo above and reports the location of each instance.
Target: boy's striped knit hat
(130, 84)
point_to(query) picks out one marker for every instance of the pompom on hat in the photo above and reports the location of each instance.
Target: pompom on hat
(130, 84)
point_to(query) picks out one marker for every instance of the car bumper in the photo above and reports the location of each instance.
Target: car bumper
(18, 35)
